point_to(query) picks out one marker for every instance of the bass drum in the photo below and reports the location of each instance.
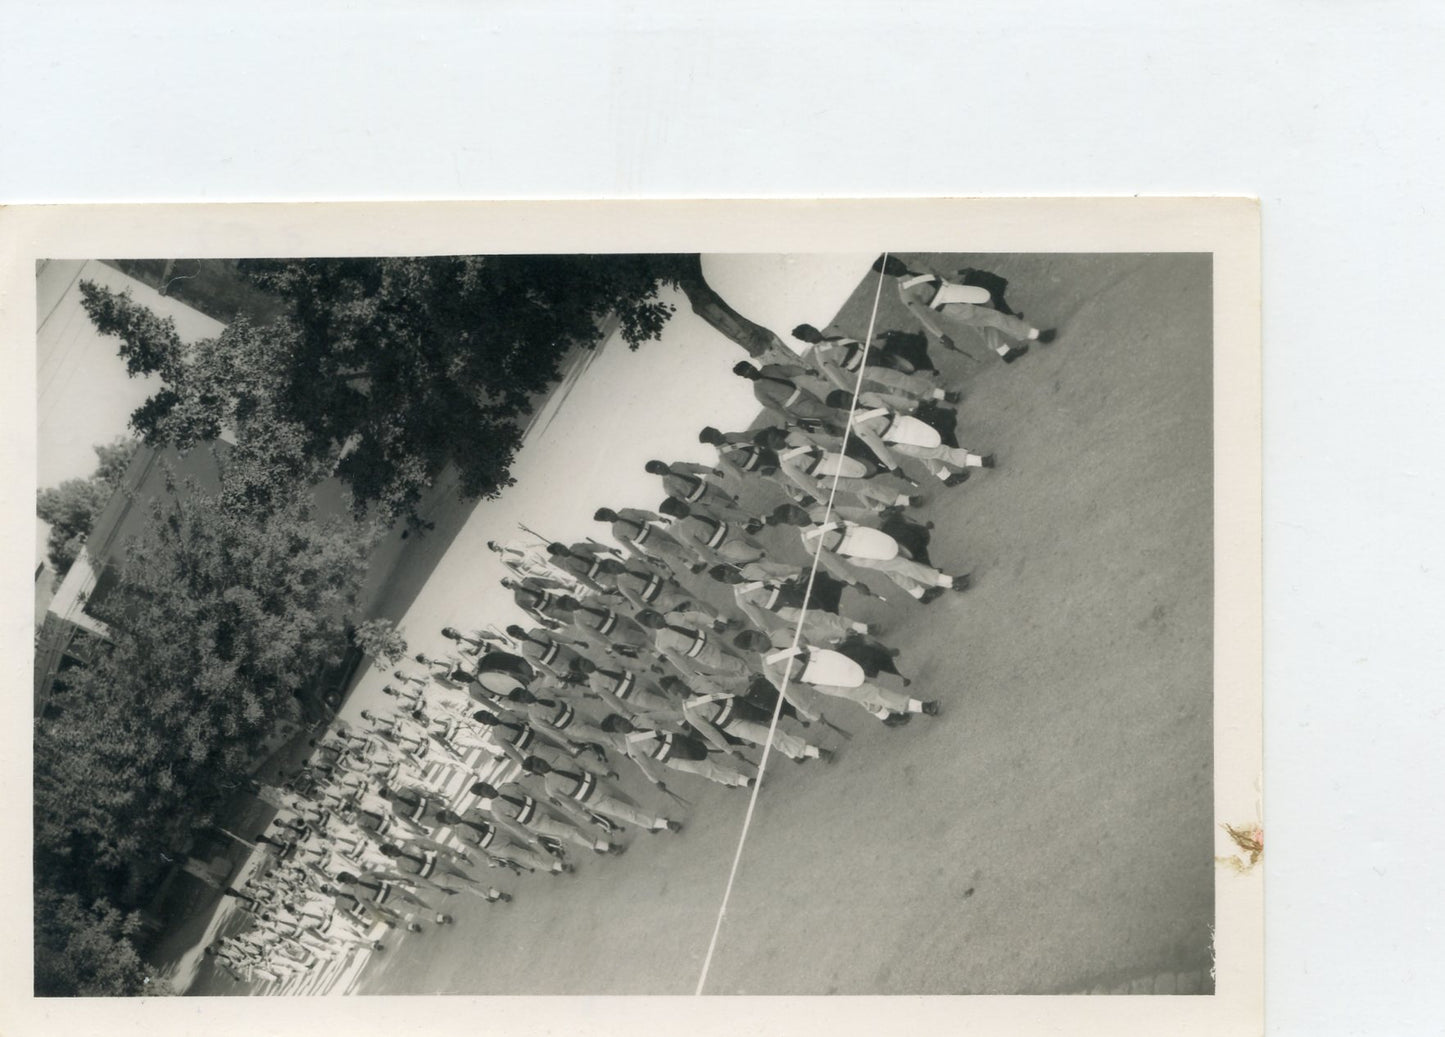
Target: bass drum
(832, 669)
(908, 431)
(872, 544)
(837, 464)
(498, 683)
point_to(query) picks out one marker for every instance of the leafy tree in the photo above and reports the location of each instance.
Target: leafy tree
(72, 507)
(380, 639)
(149, 343)
(220, 619)
(114, 458)
(86, 950)
(388, 369)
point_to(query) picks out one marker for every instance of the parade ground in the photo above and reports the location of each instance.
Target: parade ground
(1051, 832)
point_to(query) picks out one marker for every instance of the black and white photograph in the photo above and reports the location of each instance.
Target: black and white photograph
(626, 623)
(630, 623)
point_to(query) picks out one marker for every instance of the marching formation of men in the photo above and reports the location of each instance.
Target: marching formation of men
(627, 667)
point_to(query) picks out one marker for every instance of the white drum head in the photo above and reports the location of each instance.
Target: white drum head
(862, 542)
(832, 669)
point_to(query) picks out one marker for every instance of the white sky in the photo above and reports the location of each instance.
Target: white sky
(83, 394)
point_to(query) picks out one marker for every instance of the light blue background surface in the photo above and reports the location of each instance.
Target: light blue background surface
(1329, 112)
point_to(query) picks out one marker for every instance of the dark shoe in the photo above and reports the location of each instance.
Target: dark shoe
(961, 583)
(930, 595)
(377, 945)
(674, 826)
(1014, 353)
(988, 461)
(827, 756)
(930, 709)
(1047, 336)
(413, 927)
(956, 479)
(953, 397)
(897, 720)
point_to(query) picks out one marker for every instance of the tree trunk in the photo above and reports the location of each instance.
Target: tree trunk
(713, 308)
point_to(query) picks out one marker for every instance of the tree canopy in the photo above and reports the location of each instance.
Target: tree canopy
(387, 369)
(219, 620)
(71, 508)
(85, 949)
(382, 641)
(221, 617)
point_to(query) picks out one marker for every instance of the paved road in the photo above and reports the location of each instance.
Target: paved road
(1051, 832)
